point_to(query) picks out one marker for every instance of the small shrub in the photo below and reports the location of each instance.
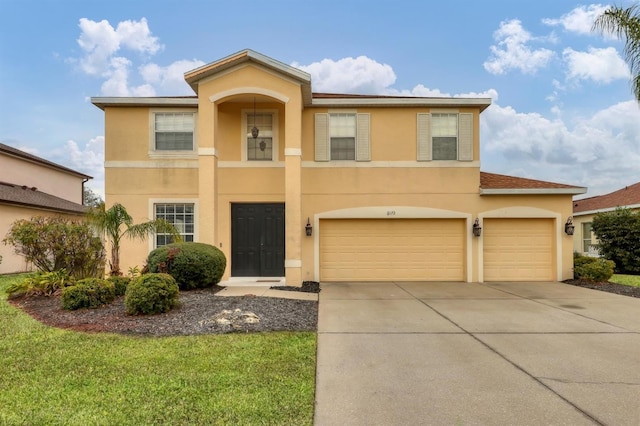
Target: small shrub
(151, 294)
(88, 293)
(595, 269)
(193, 265)
(120, 284)
(41, 284)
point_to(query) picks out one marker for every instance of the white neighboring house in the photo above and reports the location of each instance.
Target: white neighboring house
(32, 186)
(584, 240)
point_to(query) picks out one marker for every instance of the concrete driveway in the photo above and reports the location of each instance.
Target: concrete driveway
(460, 354)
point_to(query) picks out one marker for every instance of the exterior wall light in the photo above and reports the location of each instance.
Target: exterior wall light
(568, 227)
(308, 229)
(477, 229)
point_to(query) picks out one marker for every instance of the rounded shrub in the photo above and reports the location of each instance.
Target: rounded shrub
(596, 269)
(193, 265)
(120, 284)
(88, 293)
(151, 294)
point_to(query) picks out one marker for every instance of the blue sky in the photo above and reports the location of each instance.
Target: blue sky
(562, 105)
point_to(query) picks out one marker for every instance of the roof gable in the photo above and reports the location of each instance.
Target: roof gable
(193, 77)
(625, 197)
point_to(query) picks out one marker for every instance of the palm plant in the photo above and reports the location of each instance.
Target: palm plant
(625, 24)
(115, 223)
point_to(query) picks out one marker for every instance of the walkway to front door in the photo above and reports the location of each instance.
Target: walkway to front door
(257, 240)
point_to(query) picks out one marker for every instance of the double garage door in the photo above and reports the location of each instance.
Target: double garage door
(434, 250)
(392, 250)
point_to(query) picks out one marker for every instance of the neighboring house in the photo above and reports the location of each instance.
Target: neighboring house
(32, 186)
(584, 240)
(331, 187)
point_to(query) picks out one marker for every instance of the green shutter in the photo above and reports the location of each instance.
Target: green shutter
(322, 137)
(363, 146)
(424, 137)
(465, 137)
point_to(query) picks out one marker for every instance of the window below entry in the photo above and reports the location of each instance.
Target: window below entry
(174, 131)
(260, 148)
(179, 215)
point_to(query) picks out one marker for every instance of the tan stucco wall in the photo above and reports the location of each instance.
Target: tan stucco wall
(46, 179)
(12, 262)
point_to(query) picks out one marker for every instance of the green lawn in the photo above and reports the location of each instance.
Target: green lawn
(57, 377)
(632, 280)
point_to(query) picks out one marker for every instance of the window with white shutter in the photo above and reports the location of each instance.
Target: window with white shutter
(445, 136)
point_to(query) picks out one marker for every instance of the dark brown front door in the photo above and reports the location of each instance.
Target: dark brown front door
(257, 240)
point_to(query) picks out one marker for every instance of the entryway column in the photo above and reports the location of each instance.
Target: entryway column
(207, 168)
(293, 197)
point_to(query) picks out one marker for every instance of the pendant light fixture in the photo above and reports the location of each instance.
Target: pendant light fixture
(254, 129)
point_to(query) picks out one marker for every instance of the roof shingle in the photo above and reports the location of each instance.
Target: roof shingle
(31, 197)
(496, 181)
(627, 196)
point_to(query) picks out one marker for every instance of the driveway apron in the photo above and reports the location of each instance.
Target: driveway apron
(425, 353)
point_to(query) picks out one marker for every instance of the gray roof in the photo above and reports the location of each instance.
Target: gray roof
(6, 149)
(31, 197)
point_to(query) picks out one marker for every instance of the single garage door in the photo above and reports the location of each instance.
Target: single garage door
(392, 250)
(518, 249)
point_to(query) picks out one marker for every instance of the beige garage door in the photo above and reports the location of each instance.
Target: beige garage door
(392, 250)
(518, 249)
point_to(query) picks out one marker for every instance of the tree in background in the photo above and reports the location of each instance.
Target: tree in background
(90, 198)
(625, 24)
(115, 224)
(618, 233)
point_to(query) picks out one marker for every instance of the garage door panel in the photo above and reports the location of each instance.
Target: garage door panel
(518, 249)
(398, 249)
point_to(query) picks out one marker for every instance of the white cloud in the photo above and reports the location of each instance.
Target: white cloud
(353, 75)
(579, 20)
(101, 42)
(513, 51)
(586, 152)
(169, 80)
(599, 65)
(87, 158)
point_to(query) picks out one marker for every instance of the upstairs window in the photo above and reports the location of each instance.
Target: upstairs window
(174, 131)
(260, 148)
(444, 136)
(342, 136)
(180, 215)
(342, 133)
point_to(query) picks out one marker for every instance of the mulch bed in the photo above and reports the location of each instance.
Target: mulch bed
(195, 315)
(624, 290)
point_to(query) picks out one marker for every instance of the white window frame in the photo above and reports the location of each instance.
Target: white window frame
(196, 215)
(586, 237)
(246, 113)
(464, 137)
(434, 116)
(154, 153)
(355, 137)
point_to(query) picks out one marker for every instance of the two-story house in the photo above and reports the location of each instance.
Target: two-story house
(32, 186)
(328, 187)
